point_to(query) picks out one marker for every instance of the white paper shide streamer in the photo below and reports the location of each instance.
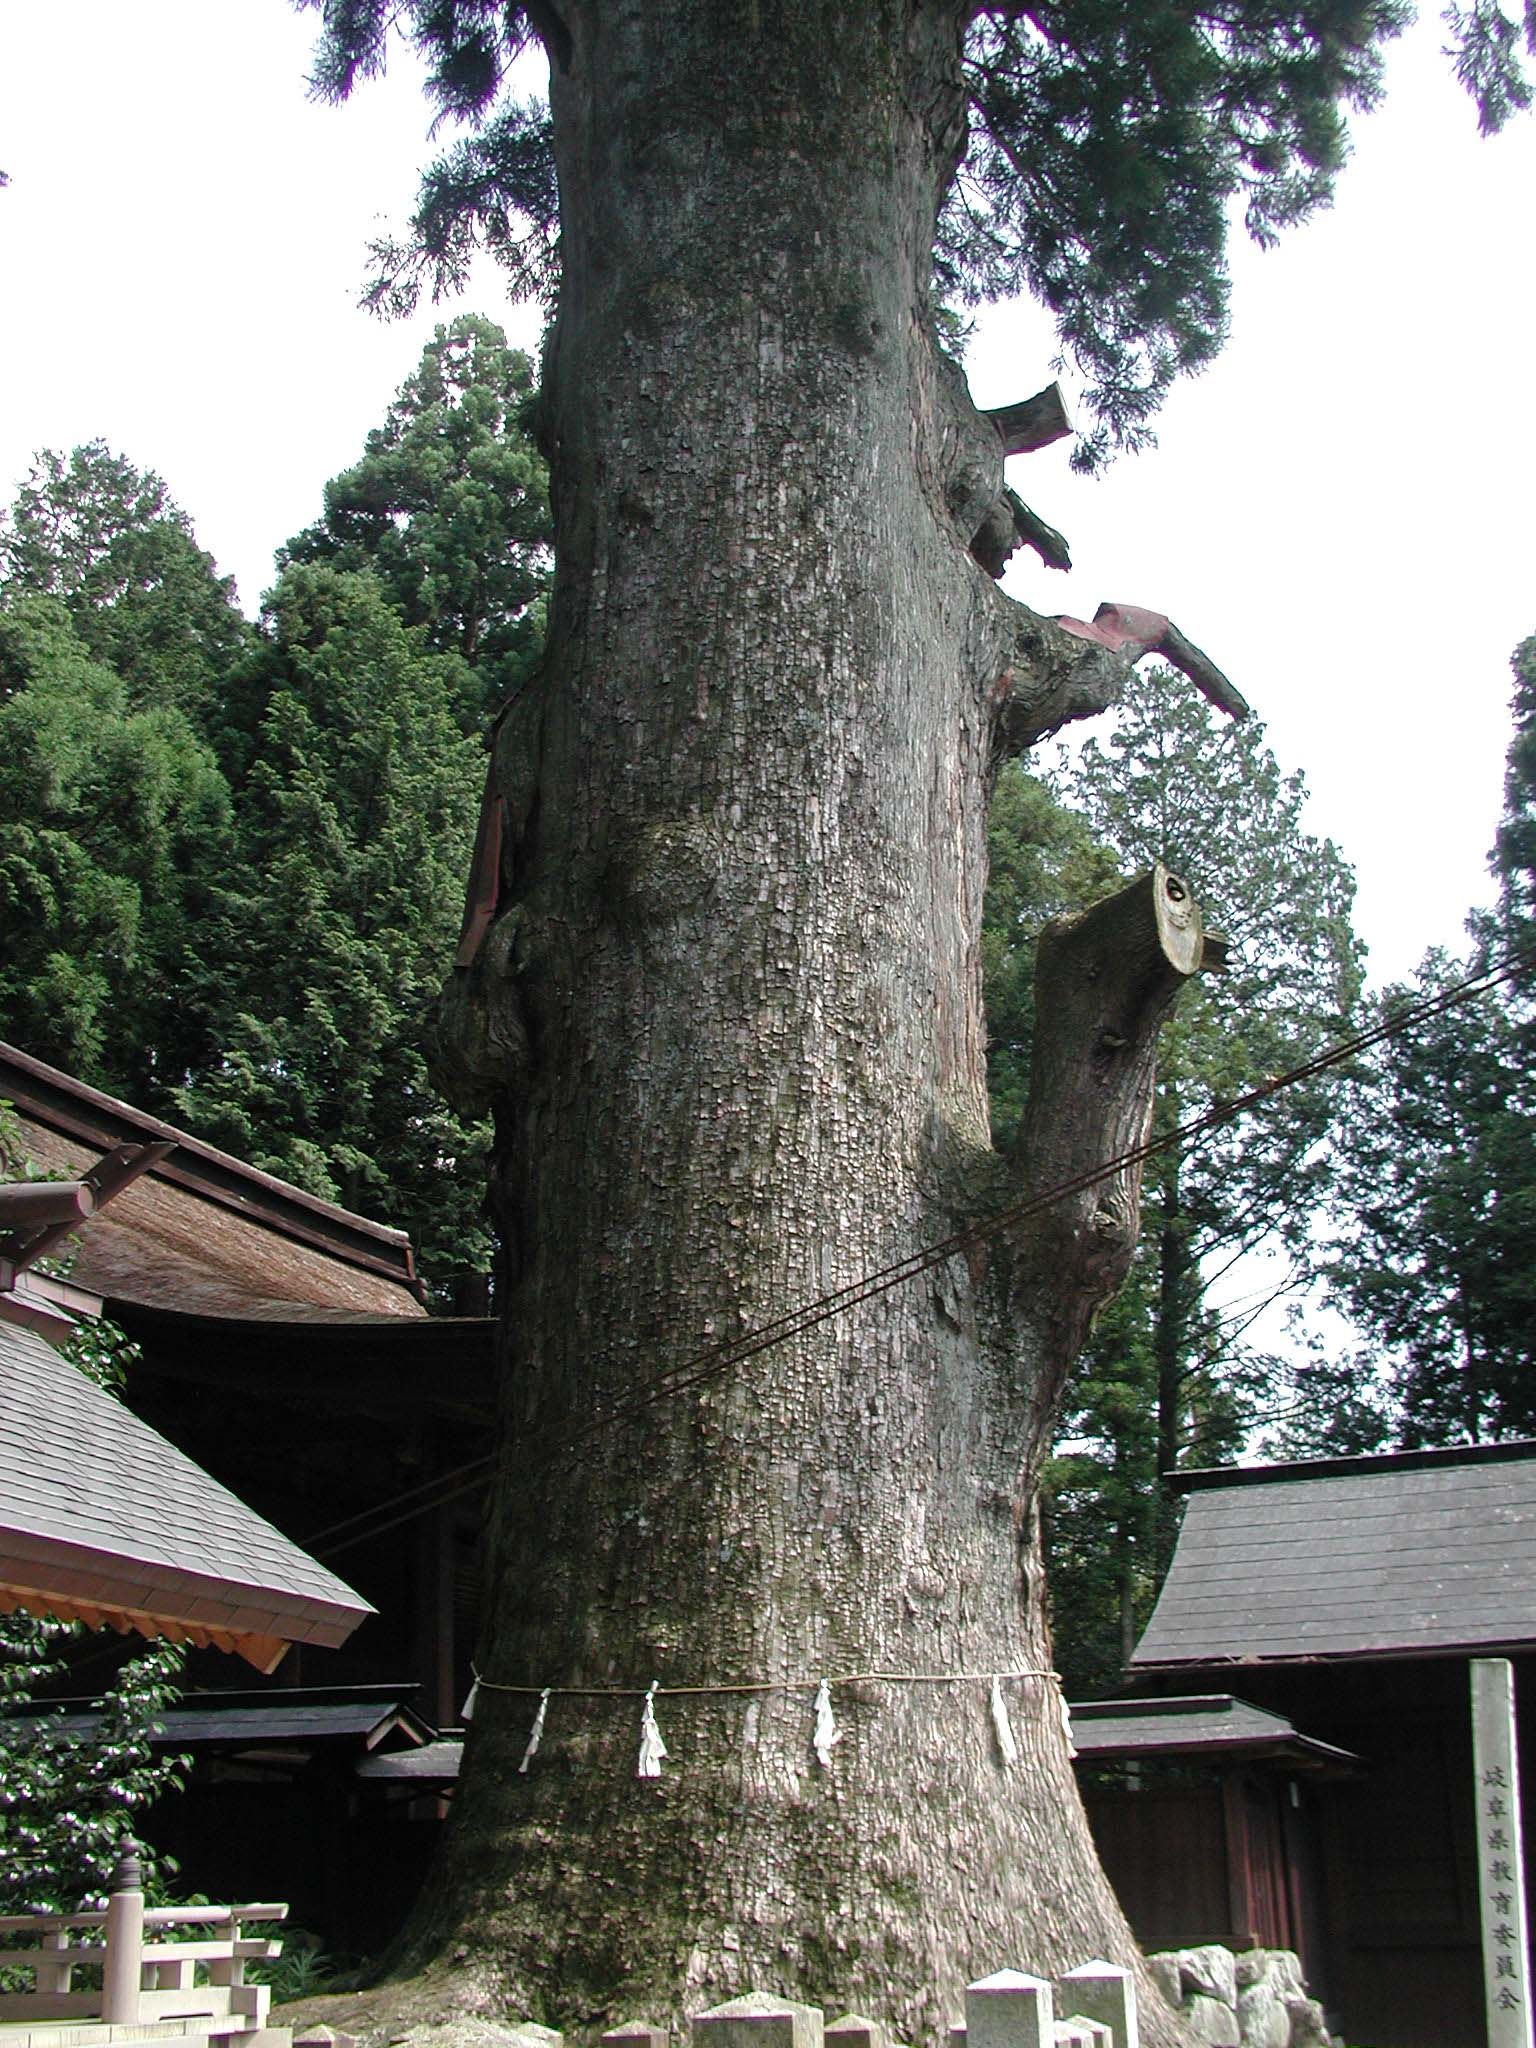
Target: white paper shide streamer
(826, 1732)
(1002, 1727)
(652, 1748)
(1066, 1726)
(535, 1732)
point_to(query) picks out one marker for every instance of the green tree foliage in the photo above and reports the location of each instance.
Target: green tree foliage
(1171, 1375)
(67, 1801)
(1101, 1502)
(449, 507)
(119, 646)
(107, 540)
(1435, 1257)
(1434, 1252)
(1514, 850)
(1104, 150)
(114, 824)
(330, 931)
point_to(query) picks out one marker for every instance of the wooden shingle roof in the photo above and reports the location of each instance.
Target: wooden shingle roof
(1420, 1554)
(103, 1521)
(203, 1231)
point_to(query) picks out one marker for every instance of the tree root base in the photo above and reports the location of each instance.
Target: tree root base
(444, 2007)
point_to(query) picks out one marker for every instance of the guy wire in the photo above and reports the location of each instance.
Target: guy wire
(717, 1360)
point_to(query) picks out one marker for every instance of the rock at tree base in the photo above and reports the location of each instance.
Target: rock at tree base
(1211, 1971)
(1262, 2019)
(1308, 2027)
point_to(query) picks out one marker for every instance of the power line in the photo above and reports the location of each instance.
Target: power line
(718, 1360)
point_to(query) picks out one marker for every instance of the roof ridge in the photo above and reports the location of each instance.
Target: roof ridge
(1364, 1465)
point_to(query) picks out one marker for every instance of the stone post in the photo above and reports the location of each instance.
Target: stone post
(1103, 1992)
(854, 2031)
(758, 2020)
(1009, 2010)
(636, 2035)
(123, 1965)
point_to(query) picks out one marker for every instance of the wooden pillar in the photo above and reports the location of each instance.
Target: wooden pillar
(433, 1619)
(1234, 1808)
(123, 1965)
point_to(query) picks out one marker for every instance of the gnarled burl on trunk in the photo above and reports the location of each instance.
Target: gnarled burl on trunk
(721, 986)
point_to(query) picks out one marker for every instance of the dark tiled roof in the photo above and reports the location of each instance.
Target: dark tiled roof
(101, 1518)
(238, 1720)
(1210, 1723)
(1420, 1555)
(203, 1231)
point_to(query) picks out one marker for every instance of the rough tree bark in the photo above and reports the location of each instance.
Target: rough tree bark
(727, 1007)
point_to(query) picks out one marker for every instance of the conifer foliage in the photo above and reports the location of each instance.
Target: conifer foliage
(330, 931)
(114, 830)
(1102, 152)
(232, 855)
(449, 508)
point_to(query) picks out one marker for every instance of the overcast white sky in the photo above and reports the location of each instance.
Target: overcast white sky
(1340, 512)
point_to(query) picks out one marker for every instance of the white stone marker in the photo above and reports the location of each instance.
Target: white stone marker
(1010, 2010)
(1500, 1856)
(758, 2020)
(854, 2031)
(1103, 1992)
(637, 2034)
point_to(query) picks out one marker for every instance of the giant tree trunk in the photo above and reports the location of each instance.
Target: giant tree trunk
(729, 1013)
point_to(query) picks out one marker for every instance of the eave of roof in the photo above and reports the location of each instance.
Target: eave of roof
(1370, 1465)
(1206, 1724)
(400, 1367)
(103, 1521)
(435, 1763)
(299, 1716)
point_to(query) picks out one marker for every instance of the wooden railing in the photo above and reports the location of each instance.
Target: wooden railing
(150, 1972)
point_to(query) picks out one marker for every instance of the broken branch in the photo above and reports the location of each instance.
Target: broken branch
(1033, 422)
(1047, 543)
(1105, 979)
(1133, 630)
